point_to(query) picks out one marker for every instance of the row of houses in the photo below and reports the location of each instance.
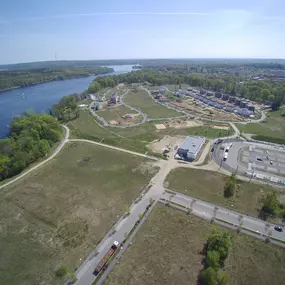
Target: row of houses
(239, 110)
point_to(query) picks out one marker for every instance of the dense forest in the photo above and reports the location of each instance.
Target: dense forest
(31, 137)
(257, 90)
(23, 78)
(67, 108)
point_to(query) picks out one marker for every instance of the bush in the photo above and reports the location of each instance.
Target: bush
(270, 204)
(223, 278)
(208, 276)
(221, 242)
(61, 271)
(230, 187)
(213, 259)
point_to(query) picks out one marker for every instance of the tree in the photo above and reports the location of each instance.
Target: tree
(265, 93)
(230, 186)
(61, 271)
(275, 105)
(270, 203)
(223, 278)
(271, 97)
(208, 276)
(4, 166)
(213, 259)
(221, 242)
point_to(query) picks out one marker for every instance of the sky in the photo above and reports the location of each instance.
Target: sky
(34, 30)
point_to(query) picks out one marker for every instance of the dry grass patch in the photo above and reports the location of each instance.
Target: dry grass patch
(166, 250)
(58, 213)
(209, 186)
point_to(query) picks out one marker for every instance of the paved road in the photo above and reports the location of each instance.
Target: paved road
(123, 226)
(207, 211)
(58, 149)
(124, 248)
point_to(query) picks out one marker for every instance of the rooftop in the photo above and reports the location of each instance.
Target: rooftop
(192, 143)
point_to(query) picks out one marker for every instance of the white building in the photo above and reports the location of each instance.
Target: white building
(191, 147)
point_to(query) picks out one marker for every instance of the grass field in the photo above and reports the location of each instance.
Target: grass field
(165, 251)
(154, 110)
(209, 186)
(58, 213)
(116, 113)
(273, 128)
(251, 261)
(168, 250)
(135, 138)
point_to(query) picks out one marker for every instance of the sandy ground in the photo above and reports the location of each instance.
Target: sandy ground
(165, 142)
(220, 127)
(179, 124)
(160, 126)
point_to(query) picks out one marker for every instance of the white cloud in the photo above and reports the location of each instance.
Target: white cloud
(5, 21)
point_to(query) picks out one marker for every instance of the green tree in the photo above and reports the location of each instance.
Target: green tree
(223, 278)
(270, 203)
(213, 259)
(4, 166)
(265, 93)
(221, 242)
(230, 186)
(271, 97)
(61, 271)
(208, 276)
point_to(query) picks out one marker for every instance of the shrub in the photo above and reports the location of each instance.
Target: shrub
(230, 186)
(61, 271)
(208, 276)
(213, 259)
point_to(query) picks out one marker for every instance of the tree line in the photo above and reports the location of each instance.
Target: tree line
(31, 137)
(22, 78)
(267, 90)
(216, 251)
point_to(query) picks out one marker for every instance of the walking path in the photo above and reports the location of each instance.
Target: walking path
(58, 149)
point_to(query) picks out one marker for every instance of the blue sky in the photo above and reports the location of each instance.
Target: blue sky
(34, 30)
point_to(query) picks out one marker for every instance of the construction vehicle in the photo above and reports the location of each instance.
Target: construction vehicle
(103, 262)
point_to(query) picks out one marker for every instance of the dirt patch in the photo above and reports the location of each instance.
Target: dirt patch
(113, 122)
(220, 127)
(160, 126)
(167, 142)
(180, 124)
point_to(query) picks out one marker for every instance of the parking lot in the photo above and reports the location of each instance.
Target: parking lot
(251, 160)
(269, 161)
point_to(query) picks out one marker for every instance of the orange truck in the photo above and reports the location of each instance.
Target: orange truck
(107, 256)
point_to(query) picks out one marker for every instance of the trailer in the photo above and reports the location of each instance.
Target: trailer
(105, 259)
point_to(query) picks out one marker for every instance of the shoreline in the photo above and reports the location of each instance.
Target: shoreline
(17, 87)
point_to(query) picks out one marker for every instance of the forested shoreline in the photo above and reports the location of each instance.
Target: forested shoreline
(257, 90)
(31, 137)
(24, 78)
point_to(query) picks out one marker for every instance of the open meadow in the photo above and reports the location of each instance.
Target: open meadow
(141, 100)
(134, 138)
(58, 213)
(209, 186)
(168, 249)
(272, 130)
(115, 114)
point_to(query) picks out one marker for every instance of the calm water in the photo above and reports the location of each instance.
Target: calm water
(41, 97)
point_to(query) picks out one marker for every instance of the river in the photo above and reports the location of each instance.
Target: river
(41, 97)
